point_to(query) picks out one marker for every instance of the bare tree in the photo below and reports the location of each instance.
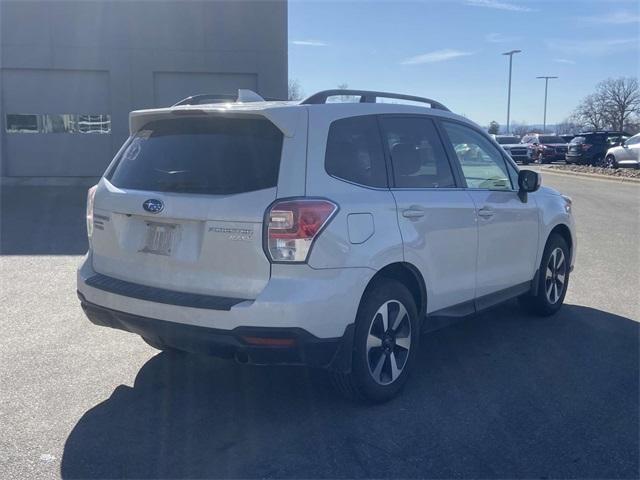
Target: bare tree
(519, 129)
(614, 105)
(592, 112)
(569, 126)
(346, 98)
(294, 90)
(621, 99)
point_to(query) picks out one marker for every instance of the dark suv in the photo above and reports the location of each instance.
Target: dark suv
(545, 148)
(590, 148)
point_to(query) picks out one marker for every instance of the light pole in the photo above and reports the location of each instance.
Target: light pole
(546, 87)
(510, 54)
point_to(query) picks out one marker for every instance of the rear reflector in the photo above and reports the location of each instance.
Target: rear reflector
(293, 225)
(272, 342)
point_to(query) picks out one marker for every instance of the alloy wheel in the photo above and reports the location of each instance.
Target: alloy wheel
(555, 276)
(388, 342)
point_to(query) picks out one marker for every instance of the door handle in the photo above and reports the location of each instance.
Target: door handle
(413, 213)
(486, 212)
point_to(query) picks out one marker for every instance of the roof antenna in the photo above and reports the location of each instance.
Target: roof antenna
(245, 95)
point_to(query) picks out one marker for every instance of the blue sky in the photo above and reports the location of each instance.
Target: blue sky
(450, 50)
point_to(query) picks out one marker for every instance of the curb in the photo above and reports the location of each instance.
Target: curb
(594, 176)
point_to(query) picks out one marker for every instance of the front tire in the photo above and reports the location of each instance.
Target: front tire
(553, 279)
(610, 162)
(385, 344)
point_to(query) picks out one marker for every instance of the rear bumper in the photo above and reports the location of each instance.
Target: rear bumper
(295, 346)
(321, 301)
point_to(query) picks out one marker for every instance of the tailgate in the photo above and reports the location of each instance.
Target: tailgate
(182, 208)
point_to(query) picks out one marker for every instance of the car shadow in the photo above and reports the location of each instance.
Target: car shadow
(43, 220)
(500, 395)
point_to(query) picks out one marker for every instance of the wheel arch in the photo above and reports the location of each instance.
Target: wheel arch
(563, 231)
(409, 275)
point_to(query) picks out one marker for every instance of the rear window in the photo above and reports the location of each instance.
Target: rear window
(354, 151)
(214, 156)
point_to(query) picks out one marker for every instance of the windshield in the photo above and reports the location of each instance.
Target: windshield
(507, 140)
(196, 155)
(551, 139)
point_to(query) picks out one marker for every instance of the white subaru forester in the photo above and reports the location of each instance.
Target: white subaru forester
(316, 233)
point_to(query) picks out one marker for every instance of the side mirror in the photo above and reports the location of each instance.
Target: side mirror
(529, 181)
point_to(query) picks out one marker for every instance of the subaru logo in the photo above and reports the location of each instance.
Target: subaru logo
(153, 206)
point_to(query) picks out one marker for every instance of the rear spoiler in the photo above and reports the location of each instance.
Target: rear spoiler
(285, 118)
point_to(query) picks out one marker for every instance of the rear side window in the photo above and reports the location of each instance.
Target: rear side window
(354, 151)
(417, 154)
(214, 156)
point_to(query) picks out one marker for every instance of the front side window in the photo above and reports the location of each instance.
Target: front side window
(633, 140)
(482, 164)
(417, 154)
(354, 151)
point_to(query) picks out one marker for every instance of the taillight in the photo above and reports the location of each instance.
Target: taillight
(90, 195)
(586, 146)
(293, 225)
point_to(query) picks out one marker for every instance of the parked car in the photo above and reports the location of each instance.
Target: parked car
(314, 233)
(590, 148)
(512, 145)
(545, 148)
(627, 154)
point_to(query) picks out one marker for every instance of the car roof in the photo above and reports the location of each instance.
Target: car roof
(285, 114)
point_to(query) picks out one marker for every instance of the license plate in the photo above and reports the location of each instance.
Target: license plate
(160, 238)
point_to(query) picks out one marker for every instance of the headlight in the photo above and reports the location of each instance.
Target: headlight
(567, 203)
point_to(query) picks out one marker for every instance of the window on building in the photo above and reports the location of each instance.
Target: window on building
(57, 123)
(18, 123)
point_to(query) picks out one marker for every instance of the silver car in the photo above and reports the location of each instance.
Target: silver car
(316, 233)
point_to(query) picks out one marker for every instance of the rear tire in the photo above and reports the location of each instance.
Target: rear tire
(385, 344)
(553, 279)
(610, 162)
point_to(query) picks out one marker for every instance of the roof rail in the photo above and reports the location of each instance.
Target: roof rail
(368, 96)
(244, 95)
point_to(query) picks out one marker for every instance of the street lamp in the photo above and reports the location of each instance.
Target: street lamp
(510, 54)
(546, 86)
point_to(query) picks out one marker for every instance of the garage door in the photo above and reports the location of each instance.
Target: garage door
(171, 87)
(56, 122)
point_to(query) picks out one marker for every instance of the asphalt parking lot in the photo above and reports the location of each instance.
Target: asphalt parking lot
(501, 395)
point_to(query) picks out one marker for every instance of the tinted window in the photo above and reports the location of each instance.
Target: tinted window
(354, 151)
(417, 154)
(551, 139)
(482, 163)
(578, 140)
(597, 138)
(507, 140)
(201, 155)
